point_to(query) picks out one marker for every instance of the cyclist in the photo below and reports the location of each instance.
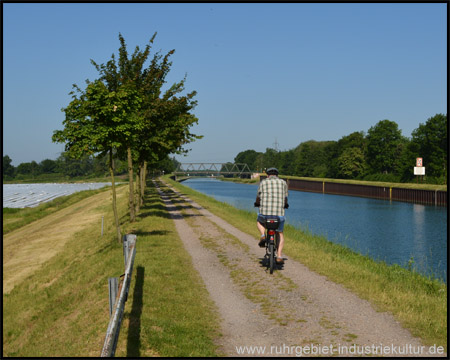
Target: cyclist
(272, 200)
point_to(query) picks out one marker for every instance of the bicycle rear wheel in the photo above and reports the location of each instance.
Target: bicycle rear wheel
(271, 257)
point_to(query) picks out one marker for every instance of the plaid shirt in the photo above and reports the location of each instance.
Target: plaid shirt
(272, 191)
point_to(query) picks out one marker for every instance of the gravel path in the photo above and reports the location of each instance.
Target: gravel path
(290, 313)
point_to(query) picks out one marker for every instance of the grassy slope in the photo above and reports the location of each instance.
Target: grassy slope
(376, 183)
(420, 304)
(62, 309)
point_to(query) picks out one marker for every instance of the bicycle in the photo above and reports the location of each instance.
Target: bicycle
(271, 224)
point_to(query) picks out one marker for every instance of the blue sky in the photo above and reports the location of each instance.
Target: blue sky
(263, 72)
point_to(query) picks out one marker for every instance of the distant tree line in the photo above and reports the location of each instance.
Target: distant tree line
(65, 167)
(382, 154)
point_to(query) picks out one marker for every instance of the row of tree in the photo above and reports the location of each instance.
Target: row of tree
(381, 154)
(66, 167)
(126, 115)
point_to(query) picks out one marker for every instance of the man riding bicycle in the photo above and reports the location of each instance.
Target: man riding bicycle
(271, 199)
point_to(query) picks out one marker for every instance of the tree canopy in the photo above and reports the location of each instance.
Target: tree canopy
(430, 141)
(383, 142)
(383, 154)
(124, 113)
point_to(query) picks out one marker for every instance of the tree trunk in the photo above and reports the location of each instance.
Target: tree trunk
(114, 203)
(131, 196)
(138, 190)
(143, 181)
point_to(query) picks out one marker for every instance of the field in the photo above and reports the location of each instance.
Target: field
(31, 195)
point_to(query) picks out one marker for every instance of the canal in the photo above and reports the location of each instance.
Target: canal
(394, 232)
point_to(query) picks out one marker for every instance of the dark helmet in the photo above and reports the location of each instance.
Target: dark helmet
(272, 171)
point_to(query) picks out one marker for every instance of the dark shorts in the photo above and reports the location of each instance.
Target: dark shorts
(261, 219)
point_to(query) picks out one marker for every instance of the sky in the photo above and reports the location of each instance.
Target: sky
(266, 74)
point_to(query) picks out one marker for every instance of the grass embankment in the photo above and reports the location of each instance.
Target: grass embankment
(62, 309)
(242, 181)
(418, 186)
(353, 182)
(417, 302)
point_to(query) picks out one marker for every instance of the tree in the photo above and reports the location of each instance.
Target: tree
(348, 148)
(383, 147)
(351, 163)
(271, 158)
(127, 75)
(95, 121)
(166, 123)
(248, 157)
(311, 158)
(48, 166)
(259, 163)
(406, 162)
(160, 125)
(81, 166)
(100, 165)
(355, 139)
(287, 162)
(35, 169)
(430, 141)
(123, 115)
(166, 165)
(24, 168)
(8, 169)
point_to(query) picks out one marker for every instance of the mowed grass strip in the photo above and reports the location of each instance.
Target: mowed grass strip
(63, 309)
(417, 302)
(169, 309)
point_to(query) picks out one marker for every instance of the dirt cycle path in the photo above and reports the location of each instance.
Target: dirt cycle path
(290, 313)
(27, 248)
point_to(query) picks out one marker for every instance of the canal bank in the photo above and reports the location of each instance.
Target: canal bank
(410, 235)
(418, 194)
(417, 302)
(390, 193)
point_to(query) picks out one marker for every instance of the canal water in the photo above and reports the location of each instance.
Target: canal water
(394, 232)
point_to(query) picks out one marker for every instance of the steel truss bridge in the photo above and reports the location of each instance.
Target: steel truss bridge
(212, 169)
